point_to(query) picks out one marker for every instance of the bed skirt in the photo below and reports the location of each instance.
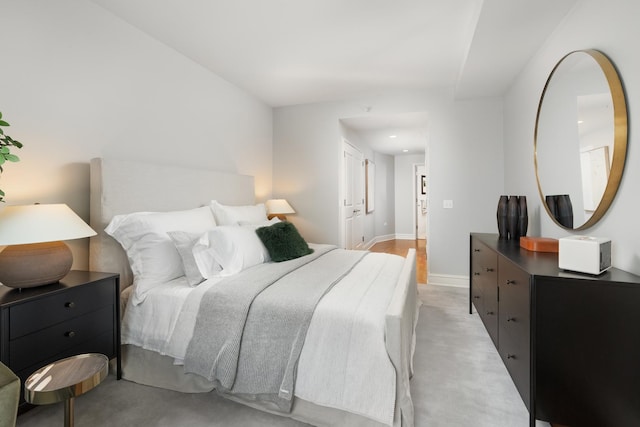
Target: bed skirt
(152, 369)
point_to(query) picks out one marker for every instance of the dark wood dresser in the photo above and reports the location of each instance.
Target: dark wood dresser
(80, 314)
(571, 342)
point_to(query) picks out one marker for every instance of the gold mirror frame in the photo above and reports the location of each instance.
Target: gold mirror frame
(620, 137)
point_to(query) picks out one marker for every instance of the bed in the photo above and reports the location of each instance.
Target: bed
(353, 358)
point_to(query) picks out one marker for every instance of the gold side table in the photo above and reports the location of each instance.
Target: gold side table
(64, 380)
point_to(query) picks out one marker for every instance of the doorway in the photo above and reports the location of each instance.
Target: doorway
(420, 191)
(352, 206)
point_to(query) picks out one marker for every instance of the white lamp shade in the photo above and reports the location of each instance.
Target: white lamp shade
(41, 223)
(278, 206)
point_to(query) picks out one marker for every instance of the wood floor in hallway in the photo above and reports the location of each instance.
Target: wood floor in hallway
(401, 247)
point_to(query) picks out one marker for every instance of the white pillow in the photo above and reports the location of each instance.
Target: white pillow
(257, 225)
(184, 243)
(227, 250)
(233, 215)
(152, 255)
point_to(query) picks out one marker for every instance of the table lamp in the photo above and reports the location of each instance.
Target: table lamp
(35, 254)
(279, 208)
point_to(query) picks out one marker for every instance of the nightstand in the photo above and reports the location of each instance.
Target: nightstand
(79, 314)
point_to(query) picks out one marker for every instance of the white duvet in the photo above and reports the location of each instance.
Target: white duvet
(344, 363)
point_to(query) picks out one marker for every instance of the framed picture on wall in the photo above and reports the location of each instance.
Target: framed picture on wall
(370, 175)
(424, 184)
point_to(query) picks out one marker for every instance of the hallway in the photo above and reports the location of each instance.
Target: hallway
(401, 247)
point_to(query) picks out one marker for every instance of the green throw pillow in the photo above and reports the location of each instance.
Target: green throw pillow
(283, 242)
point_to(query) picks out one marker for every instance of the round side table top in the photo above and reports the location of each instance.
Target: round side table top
(66, 378)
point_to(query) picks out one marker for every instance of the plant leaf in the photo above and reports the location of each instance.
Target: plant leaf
(3, 123)
(1, 159)
(17, 144)
(4, 150)
(12, 157)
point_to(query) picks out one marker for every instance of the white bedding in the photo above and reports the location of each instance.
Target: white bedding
(344, 363)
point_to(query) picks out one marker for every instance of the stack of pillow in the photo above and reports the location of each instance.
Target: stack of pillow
(210, 241)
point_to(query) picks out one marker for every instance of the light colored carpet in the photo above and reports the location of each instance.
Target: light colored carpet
(459, 381)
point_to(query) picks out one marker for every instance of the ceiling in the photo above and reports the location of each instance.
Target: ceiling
(392, 134)
(289, 52)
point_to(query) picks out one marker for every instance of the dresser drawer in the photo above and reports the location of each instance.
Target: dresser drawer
(484, 286)
(43, 344)
(51, 309)
(515, 325)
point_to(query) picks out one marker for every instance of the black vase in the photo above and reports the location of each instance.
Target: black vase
(513, 217)
(565, 210)
(501, 215)
(523, 219)
(551, 204)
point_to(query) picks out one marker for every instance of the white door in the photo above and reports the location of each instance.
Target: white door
(421, 202)
(353, 197)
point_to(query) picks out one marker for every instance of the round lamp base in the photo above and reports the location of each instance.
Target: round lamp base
(35, 264)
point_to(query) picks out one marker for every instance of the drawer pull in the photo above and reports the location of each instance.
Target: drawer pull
(476, 250)
(475, 273)
(511, 356)
(70, 304)
(511, 319)
(489, 270)
(490, 313)
(476, 296)
(70, 334)
(511, 282)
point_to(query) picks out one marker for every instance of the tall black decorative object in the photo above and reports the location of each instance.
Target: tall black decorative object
(513, 217)
(551, 204)
(502, 217)
(561, 209)
(523, 218)
(565, 210)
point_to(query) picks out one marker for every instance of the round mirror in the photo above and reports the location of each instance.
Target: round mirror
(580, 141)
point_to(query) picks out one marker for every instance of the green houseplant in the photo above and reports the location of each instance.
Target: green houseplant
(6, 143)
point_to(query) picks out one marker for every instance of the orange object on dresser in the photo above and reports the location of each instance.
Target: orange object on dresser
(539, 244)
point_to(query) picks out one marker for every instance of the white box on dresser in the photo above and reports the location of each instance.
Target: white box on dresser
(584, 254)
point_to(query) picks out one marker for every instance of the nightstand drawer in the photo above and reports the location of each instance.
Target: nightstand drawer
(30, 349)
(59, 307)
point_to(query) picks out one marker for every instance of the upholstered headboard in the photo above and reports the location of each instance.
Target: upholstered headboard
(122, 186)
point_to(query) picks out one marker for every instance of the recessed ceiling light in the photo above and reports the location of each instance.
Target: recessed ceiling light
(405, 151)
(393, 136)
(580, 121)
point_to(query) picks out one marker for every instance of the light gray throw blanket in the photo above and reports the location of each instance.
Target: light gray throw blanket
(251, 327)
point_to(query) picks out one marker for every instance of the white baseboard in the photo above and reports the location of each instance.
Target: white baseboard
(448, 280)
(405, 236)
(379, 239)
(384, 238)
(370, 243)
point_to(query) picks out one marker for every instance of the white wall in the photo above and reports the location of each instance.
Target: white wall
(385, 211)
(78, 83)
(612, 28)
(466, 165)
(404, 193)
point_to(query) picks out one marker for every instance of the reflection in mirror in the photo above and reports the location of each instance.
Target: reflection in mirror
(580, 139)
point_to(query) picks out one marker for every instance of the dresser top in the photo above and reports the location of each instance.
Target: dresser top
(546, 263)
(75, 278)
